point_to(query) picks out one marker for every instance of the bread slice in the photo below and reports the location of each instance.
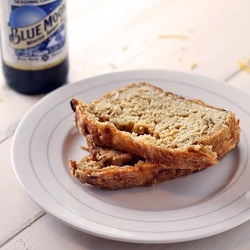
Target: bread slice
(159, 126)
(112, 169)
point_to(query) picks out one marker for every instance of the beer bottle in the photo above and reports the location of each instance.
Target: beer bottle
(33, 44)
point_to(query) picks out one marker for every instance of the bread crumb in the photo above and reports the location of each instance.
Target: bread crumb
(85, 148)
(73, 131)
(193, 66)
(124, 48)
(113, 66)
(172, 36)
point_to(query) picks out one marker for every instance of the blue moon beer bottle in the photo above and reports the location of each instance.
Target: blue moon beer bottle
(33, 44)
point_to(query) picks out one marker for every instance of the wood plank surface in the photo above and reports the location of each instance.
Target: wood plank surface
(17, 209)
(206, 37)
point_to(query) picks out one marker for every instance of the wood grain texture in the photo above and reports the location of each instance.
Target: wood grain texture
(206, 37)
(49, 233)
(17, 209)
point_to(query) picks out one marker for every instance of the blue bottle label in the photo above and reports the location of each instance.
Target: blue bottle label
(33, 33)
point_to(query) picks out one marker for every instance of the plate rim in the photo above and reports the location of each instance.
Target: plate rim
(76, 85)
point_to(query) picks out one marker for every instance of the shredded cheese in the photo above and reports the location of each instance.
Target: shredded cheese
(193, 65)
(244, 65)
(172, 36)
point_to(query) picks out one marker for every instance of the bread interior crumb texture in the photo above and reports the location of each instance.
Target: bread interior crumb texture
(160, 117)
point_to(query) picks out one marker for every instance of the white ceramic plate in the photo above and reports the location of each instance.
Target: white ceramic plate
(192, 207)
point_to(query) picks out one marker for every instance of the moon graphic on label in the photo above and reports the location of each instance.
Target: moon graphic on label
(26, 15)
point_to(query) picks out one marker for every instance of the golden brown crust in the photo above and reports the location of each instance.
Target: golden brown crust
(196, 156)
(143, 174)
(104, 134)
(107, 168)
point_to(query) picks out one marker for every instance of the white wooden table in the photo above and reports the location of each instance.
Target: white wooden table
(207, 37)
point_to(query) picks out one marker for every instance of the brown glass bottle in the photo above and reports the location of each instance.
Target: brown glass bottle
(33, 82)
(34, 45)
